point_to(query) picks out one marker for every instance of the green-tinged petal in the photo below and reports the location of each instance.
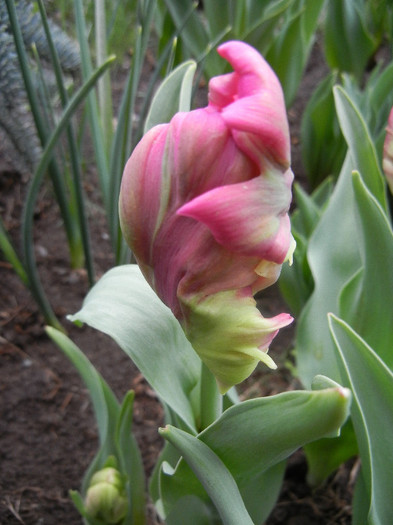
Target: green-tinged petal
(230, 335)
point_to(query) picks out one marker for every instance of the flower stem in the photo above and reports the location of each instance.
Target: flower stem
(211, 399)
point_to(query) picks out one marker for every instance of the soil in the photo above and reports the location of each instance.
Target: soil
(48, 434)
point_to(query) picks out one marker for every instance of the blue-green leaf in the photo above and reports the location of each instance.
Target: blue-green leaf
(333, 251)
(130, 460)
(173, 95)
(371, 382)
(124, 306)
(364, 302)
(253, 439)
(361, 145)
(213, 475)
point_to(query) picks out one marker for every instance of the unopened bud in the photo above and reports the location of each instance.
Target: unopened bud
(106, 498)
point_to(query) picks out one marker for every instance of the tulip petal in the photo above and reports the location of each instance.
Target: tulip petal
(256, 107)
(230, 334)
(249, 217)
(387, 162)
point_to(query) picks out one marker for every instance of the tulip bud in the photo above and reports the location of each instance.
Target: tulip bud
(106, 498)
(204, 207)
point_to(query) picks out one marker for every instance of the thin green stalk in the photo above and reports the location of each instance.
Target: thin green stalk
(211, 399)
(73, 149)
(95, 127)
(27, 223)
(122, 144)
(54, 171)
(43, 92)
(11, 255)
(104, 84)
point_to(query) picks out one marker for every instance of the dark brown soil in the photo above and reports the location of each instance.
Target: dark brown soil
(47, 431)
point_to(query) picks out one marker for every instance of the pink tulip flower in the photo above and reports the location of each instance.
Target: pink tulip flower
(204, 207)
(387, 162)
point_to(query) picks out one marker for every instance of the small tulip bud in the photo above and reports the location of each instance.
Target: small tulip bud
(106, 498)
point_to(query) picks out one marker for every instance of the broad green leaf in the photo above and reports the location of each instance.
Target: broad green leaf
(307, 214)
(124, 306)
(360, 500)
(333, 252)
(296, 282)
(348, 44)
(371, 382)
(110, 417)
(188, 506)
(169, 456)
(173, 95)
(361, 145)
(324, 456)
(289, 66)
(261, 494)
(367, 310)
(99, 390)
(333, 258)
(363, 304)
(289, 52)
(254, 437)
(131, 461)
(322, 143)
(273, 427)
(218, 15)
(379, 93)
(213, 475)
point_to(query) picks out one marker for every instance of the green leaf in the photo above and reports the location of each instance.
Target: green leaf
(27, 221)
(332, 259)
(194, 33)
(218, 15)
(371, 382)
(10, 254)
(190, 506)
(289, 52)
(130, 460)
(296, 281)
(333, 251)
(124, 306)
(308, 212)
(213, 474)
(324, 456)
(364, 304)
(322, 143)
(348, 44)
(360, 144)
(99, 390)
(254, 437)
(105, 404)
(173, 95)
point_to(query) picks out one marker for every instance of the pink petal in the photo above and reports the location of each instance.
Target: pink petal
(387, 162)
(249, 217)
(251, 101)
